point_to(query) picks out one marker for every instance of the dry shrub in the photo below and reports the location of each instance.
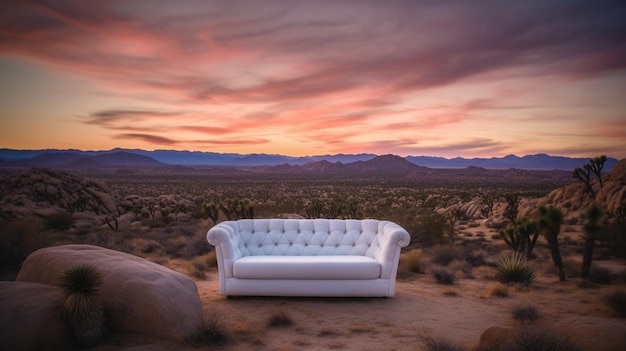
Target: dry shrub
(18, 238)
(600, 275)
(362, 328)
(279, 319)
(211, 259)
(485, 273)
(411, 261)
(443, 255)
(327, 332)
(463, 267)
(540, 339)
(525, 313)
(197, 269)
(439, 344)
(498, 290)
(443, 275)
(248, 332)
(336, 345)
(450, 292)
(300, 342)
(616, 301)
(532, 339)
(214, 334)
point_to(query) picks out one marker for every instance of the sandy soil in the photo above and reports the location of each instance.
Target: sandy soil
(458, 313)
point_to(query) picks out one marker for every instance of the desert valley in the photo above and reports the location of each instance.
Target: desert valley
(452, 292)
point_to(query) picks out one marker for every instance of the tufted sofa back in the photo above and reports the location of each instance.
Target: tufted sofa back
(306, 237)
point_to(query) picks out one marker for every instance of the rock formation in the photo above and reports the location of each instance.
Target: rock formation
(138, 296)
(30, 317)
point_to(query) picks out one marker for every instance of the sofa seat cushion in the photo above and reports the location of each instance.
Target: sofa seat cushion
(306, 267)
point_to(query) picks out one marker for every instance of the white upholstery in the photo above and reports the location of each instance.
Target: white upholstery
(306, 267)
(308, 257)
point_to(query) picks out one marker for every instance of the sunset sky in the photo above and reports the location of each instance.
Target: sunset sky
(413, 77)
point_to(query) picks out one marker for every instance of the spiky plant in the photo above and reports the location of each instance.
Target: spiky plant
(81, 310)
(513, 268)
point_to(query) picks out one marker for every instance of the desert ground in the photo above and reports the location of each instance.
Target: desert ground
(423, 315)
(160, 218)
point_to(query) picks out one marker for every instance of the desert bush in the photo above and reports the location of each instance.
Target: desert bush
(498, 290)
(616, 301)
(537, 339)
(18, 238)
(412, 261)
(463, 267)
(533, 339)
(525, 313)
(279, 319)
(58, 221)
(600, 275)
(444, 254)
(439, 344)
(211, 259)
(443, 275)
(513, 268)
(214, 334)
(197, 269)
(81, 309)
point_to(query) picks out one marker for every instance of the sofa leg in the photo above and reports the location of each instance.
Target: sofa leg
(230, 297)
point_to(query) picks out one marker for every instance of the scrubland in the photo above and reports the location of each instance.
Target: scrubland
(448, 290)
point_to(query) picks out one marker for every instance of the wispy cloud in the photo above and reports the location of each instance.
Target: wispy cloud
(322, 71)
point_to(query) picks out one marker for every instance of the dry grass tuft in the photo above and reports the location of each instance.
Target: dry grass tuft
(525, 313)
(439, 344)
(443, 275)
(301, 342)
(327, 332)
(498, 290)
(362, 328)
(214, 334)
(411, 261)
(279, 319)
(451, 293)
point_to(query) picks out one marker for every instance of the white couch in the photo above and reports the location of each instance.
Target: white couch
(308, 257)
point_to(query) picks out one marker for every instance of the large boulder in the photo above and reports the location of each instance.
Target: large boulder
(30, 317)
(138, 296)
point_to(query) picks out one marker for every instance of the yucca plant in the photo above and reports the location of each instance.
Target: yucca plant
(81, 310)
(513, 268)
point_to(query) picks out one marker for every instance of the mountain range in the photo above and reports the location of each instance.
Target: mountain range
(370, 163)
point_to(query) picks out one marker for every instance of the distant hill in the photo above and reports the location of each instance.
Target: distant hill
(330, 163)
(74, 160)
(535, 162)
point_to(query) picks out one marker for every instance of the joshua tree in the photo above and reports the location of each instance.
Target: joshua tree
(512, 208)
(489, 202)
(451, 216)
(522, 237)
(584, 173)
(550, 220)
(81, 309)
(591, 228)
(596, 165)
(229, 208)
(211, 210)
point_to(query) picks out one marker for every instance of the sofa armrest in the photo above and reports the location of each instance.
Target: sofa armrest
(222, 236)
(392, 238)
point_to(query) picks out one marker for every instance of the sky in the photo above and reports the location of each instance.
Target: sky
(446, 78)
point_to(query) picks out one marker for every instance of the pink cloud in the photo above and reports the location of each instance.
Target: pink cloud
(243, 69)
